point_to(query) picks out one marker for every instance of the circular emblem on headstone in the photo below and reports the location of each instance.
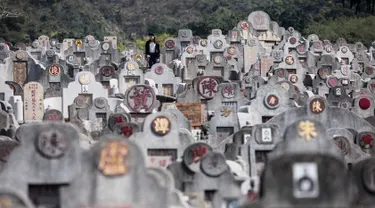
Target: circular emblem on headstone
(83, 114)
(53, 115)
(184, 33)
(366, 140)
(138, 57)
(228, 92)
(345, 69)
(317, 105)
(218, 59)
(51, 143)
(289, 60)
(328, 48)
(332, 81)
(343, 144)
(337, 91)
(105, 46)
(369, 70)
(244, 25)
(50, 53)
(345, 105)
(189, 50)
(293, 78)
(116, 118)
(71, 59)
(93, 43)
(218, 44)
(368, 176)
(54, 70)
(106, 71)
(194, 153)
(301, 48)
(281, 73)
(20, 55)
(292, 40)
(169, 44)
(344, 49)
(159, 70)
(35, 44)
(161, 126)
(285, 85)
(203, 42)
(231, 50)
(317, 45)
(247, 79)
(323, 72)
(100, 102)
(124, 129)
(131, 66)
(78, 43)
(207, 87)
(140, 98)
(272, 101)
(80, 101)
(213, 164)
(84, 79)
(364, 103)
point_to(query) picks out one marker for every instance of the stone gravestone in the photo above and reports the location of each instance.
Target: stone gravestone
(160, 141)
(85, 85)
(164, 79)
(34, 102)
(50, 147)
(20, 67)
(130, 75)
(308, 167)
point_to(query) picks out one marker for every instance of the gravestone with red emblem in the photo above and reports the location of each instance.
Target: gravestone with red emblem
(84, 85)
(184, 38)
(164, 78)
(130, 75)
(170, 51)
(216, 44)
(223, 108)
(364, 105)
(338, 97)
(160, 141)
(53, 115)
(106, 73)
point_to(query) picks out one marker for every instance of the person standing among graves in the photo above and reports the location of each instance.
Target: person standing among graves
(152, 50)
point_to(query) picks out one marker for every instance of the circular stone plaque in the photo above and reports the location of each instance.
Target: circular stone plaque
(159, 70)
(169, 44)
(51, 143)
(345, 105)
(50, 53)
(289, 60)
(203, 42)
(139, 98)
(344, 49)
(194, 153)
(161, 126)
(207, 87)
(84, 79)
(218, 59)
(272, 101)
(54, 70)
(343, 144)
(20, 55)
(218, 44)
(189, 50)
(100, 102)
(93, 43)
(105, 46)
(213, 164)
(80, 101)
(106, 71)
(292, 40)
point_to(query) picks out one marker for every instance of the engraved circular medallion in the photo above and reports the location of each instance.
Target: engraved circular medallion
(50, 53)
(366, 140)
(291, 29)
(138, 57)
(80, 101)
(51, 143)
(159, 70)
(323, 72)
(293, 78)
(54, 70)
(106, 71)
(345, 105)
(343, 144)
(369, 70)
(292, 40)
(344, 49)
(53, 115)
(113, 159)
(244, 25)
(272, 101)
(213, 164)
(35, 44)
(231, 50)
(218, 59)
(140, 98)
(203, 42)
(105, 46)
(189, 50)
(218, 44)
(193, 154)
(131, 66)
(20, 55)
(78, 43)
(93, 43)
(169, 44)
(332, 81)
(228, 92)
(161, 126)
(317, 105)
(289, 60)
(84, 79)
(345, 69)
(100, 102)
(207, 87)
(328, 48)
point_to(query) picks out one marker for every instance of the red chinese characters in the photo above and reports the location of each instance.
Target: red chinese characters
(140, 98)
(208, 87)
(367, 141)
(198, 153)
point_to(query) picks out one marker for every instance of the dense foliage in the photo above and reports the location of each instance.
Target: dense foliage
(128, 18)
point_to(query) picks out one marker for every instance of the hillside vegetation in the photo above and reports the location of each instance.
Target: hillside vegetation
(23, 21)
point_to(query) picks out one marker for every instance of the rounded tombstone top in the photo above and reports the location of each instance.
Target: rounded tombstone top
(89, 37)
(93, 43)
(193, 154)
(213, 164)
(312, 37)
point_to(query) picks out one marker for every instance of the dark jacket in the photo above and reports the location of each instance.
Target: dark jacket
(147, 48)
